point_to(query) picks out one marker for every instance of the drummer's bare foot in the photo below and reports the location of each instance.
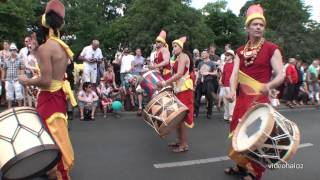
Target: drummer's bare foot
(180, 149)
(235, 171)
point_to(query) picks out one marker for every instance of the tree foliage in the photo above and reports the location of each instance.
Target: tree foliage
(146, 18)
(227, 27)
(15, 18)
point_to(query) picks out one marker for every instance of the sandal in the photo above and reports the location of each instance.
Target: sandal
(180, 149)
(249, 176)
(290, 105)
(233, 171)
(92, 118)
(139, 113)
(174, 144)
(81, 118)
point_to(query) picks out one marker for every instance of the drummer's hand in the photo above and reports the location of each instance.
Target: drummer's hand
(161, 84)
(151, 67)
(265, 90)
(231, 97)
(204, 73)
(23, 79)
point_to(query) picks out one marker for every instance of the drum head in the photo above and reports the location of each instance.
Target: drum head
(253, 129)
(173, 122)
(32, 163)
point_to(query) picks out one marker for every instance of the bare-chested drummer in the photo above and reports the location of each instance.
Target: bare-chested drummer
(52, 58)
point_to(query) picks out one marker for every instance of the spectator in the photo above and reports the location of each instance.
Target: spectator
(312, 81)
(196, 57)
(30, 63)
(135, 83)
(137, 63)
(87, 99)
(292, 80)
(300, 83)
(5, 53)
(212, 53)
(125, 61)
(104, 91)
(25, 50)
(91, 55)
(12, 68)
(207, 71)
(223, 55)
(109, 76)
(225, 81)
(31, 70)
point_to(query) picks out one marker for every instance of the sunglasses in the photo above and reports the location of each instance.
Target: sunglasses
(12, 50)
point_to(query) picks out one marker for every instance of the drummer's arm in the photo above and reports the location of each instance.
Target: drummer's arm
(45, 66)
(234, 79)
(277, 67)
(166, 59)
(180, 72)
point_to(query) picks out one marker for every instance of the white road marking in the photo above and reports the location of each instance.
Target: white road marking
(205, 161)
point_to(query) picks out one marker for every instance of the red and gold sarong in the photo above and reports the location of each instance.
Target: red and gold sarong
(52, 107)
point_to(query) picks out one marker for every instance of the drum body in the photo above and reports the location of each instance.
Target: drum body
(27, 149)
(164, 112)
(149, 82)
(265, 136)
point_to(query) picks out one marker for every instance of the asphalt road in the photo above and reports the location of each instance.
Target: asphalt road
(126, 148)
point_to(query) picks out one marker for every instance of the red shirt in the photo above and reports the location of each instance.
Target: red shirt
(159, 59)
(260, 70)
(292, 73)
(226, 74)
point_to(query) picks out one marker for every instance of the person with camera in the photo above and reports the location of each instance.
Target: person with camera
(91, 55)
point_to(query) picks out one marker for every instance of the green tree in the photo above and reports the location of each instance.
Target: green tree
(145, 19)
(15, 18)
(226, 26)
(87, 20)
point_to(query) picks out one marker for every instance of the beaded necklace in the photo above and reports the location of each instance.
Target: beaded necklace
(250, 53)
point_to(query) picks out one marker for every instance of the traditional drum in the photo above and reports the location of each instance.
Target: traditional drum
(27, 149)
(164, 112)
(149, 82)
(265, 136)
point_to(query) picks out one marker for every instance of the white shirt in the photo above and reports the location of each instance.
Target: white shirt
(89, 53)
(24, 52)
(152, 56)
(126, 63)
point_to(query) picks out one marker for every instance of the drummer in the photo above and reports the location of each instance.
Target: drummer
(53, 57)
(162, 56)
(183, 89)
(258, 58)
